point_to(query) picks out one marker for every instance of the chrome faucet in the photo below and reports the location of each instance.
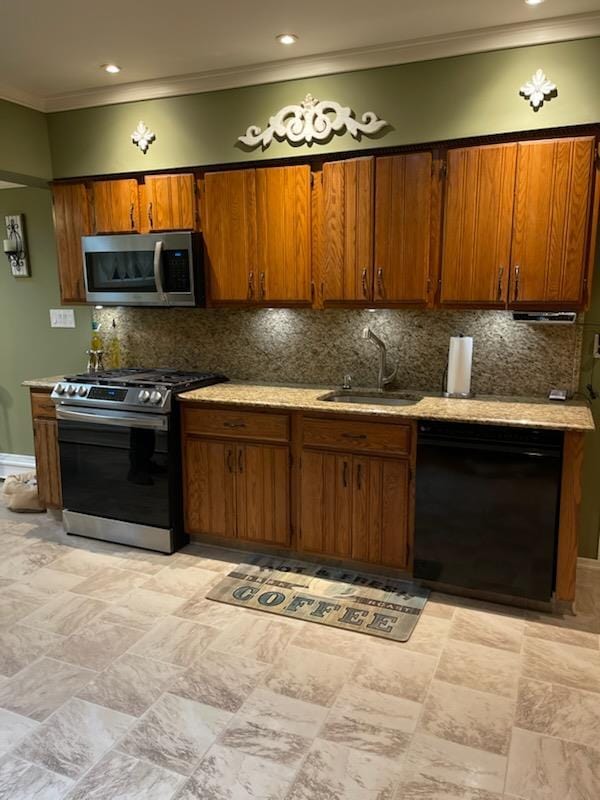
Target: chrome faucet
(383, 380)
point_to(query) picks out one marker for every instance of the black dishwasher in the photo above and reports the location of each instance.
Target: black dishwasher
(487, 501)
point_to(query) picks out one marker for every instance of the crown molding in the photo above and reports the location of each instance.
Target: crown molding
(556, 29)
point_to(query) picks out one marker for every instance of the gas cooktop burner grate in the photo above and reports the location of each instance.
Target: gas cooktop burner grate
(139, 376)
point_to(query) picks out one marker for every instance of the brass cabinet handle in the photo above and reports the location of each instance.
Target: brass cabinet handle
(380, 281)
(364, 283)
(234, 424)
(250, 285)
(261, 279)
(345, 474)
(354, 435)
(230, 461)
(517, 281)
(359, 476)
(500, 276)
(131, 216)
(240, 460)
(150, 220)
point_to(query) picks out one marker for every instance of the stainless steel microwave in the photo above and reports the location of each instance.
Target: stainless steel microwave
(146, 269)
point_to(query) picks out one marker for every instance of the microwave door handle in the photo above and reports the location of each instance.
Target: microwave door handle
(158, 246)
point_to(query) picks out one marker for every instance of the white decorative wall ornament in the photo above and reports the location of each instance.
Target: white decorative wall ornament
(312, 121)
(538, 89)
(142, 136)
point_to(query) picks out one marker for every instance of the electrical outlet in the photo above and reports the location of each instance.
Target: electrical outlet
(62, 318)
(596, 345)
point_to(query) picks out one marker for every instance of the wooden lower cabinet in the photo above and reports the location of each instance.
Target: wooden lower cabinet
(45, 442)
(355, 506)
(237, 489)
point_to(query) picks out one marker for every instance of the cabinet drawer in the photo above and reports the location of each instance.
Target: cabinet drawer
(236, 424)
(358, 436)
(42, 405)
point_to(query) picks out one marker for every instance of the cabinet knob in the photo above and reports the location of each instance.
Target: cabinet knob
(150, 219)
(380, 287)
(261, 279)
(131, 207)
(250, 285)
(517, 281)
(500, 276)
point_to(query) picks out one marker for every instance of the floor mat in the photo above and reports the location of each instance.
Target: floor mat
(354, 601)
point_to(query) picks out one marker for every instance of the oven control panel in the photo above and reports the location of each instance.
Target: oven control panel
(151, 398)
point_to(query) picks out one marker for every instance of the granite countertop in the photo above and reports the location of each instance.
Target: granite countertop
(514, 411)
(43, 383)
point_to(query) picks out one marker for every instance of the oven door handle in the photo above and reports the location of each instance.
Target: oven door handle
(158, 246)
(97, 417)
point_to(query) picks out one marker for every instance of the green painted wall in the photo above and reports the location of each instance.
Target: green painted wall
(425, 101)
(29, 347)
(24, 145)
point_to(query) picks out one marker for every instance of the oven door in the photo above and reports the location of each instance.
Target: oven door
(140, 269)
(115, 469)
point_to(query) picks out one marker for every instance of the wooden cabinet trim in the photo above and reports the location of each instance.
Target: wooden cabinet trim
(42, 405)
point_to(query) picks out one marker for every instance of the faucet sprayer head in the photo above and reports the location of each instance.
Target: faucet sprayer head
(366, 334)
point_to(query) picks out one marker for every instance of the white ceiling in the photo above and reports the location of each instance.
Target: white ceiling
(11, 185)
(51, 51)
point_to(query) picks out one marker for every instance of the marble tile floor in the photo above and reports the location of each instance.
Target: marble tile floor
(119, 681)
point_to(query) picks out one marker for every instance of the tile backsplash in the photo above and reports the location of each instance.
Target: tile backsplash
(318, 347)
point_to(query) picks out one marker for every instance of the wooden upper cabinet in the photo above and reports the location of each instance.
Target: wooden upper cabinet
(283, 235)
(170, 202)
(116, 206)
(478, 218)
(552, 222)
(347, 248)
(403, 228)
(229, 228)
(72, 220)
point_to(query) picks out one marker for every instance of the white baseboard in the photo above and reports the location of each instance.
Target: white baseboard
(13, 464)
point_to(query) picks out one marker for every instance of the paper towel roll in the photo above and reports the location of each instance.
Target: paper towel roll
(460, 360)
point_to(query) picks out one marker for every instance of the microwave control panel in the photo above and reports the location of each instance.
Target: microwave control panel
(177, 271)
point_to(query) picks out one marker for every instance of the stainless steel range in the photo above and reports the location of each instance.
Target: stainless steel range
(120, 454)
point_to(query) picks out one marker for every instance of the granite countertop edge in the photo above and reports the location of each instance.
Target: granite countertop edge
(517, 412)
(512, 411)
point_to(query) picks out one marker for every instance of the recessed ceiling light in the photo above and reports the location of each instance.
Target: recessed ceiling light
(112, 68)
(534, 2)
(287, 38)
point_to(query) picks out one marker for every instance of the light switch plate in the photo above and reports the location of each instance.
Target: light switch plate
(62, 318)
(597, 345)
(558, 394)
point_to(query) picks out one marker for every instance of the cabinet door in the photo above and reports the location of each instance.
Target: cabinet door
(71, 221)
(209, 496)
(47, 462)
(348, 190)
(326, 503)
(171, 202)
(478, 224)
(403, 211)
(229, 228)
(116, 206)
(263, 493)
(283, 215)
(552, 221)
(380, 510)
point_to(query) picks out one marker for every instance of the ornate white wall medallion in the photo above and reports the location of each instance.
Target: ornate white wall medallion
(312, 121)
(538, 89)
(142, 136)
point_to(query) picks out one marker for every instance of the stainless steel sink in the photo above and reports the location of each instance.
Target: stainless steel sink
(372, 398)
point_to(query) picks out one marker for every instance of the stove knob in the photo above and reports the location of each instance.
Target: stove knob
(82, 391)
(155, 397)
(71, 390)
(144, 396)
(60, 389)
